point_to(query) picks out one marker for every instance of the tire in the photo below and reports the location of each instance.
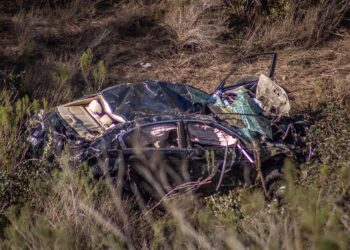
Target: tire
(274, 178)
(276, 185)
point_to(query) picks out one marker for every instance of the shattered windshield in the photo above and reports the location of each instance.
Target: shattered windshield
(152, 98)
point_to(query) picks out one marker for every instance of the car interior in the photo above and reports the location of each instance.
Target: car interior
(153, 136)
(89, 117)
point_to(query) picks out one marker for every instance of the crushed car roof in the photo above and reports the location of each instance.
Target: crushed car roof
(140, 99)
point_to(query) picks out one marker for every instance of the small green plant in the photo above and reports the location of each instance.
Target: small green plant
(16, 171)
(85, 63)
(98, 72)
(12, 82)
(61, 76)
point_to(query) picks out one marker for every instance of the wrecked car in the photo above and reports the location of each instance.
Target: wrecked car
(158, 138)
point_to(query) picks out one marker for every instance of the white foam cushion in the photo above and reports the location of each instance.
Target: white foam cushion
(95, 107)
(106, 120)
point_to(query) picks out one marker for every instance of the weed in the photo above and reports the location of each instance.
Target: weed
(85, 63)
(98, 72)
(61, 77)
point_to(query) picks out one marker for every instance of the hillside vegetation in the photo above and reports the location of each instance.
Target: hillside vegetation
(52, 51)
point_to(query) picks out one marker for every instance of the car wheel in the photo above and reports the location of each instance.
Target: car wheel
(276, 185)
(275, 181)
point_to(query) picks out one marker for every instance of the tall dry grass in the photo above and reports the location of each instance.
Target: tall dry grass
(73, 211)
(195, 24)
(300, 23)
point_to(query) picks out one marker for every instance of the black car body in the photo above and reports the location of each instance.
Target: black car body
(162, 137)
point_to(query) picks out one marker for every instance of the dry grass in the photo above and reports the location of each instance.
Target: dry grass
(303, 24)
(175, 37)
(72, 211)
(195, 24)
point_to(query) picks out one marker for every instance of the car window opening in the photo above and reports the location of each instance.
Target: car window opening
(204, 134)
(153, 136)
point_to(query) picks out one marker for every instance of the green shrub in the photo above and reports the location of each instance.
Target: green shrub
(97, 72)
(16, 171)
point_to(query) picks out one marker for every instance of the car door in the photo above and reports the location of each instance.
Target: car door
(156, 156)
(213, 153)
